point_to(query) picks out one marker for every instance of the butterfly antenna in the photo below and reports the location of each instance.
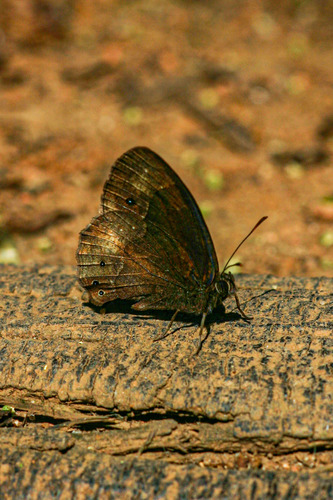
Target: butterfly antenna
(243, 240)
(239, 264)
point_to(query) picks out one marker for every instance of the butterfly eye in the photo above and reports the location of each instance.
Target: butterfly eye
(222, 288)
(101, 292)
(95, 282)
(102, 263)
(130, 201)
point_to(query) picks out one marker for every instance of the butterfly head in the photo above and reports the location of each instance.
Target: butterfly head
(225, 286)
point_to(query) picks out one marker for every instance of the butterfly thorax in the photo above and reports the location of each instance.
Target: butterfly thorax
(205, 298)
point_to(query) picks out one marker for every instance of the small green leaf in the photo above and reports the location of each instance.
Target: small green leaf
(326, 239)
(190, 158)
(294, 170)
(44, 244)
(328, 199)
(133, 115)
(326, 264)
(8, 251)
(206, 208)
(209, 98)
(214, 180)
(8, 408)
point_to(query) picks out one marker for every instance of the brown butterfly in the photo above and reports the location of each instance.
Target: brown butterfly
(150, 243)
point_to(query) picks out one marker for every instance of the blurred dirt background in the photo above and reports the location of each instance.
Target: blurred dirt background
(235, 95)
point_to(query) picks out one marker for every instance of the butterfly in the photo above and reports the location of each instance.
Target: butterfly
(150, 243)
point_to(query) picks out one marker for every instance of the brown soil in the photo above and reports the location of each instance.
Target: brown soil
(236, 96)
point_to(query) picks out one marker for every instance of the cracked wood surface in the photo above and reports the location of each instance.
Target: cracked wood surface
(264, 387)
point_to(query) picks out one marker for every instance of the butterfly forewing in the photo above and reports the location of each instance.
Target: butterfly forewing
(151, 238)
(163, 200)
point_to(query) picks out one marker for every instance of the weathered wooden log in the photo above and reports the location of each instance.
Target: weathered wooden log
(101, 407)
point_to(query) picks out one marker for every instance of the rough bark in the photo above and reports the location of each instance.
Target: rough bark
(102, 409)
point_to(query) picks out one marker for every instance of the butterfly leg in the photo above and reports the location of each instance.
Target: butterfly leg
(165, 334)
(202, 324)
(240, 309)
